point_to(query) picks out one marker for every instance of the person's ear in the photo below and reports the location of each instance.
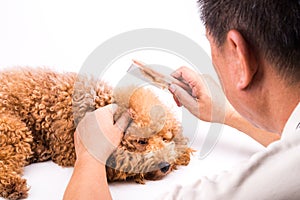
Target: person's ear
(247, 64)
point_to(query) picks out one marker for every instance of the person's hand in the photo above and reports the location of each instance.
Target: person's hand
(97, 135)
(205, 99)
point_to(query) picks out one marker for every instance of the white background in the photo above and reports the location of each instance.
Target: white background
(62, 33)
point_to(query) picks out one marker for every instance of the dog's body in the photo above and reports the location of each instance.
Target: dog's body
(38, 112)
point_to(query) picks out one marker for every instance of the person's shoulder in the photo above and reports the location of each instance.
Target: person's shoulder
(284, 147)
(292, 126)
(286, 143)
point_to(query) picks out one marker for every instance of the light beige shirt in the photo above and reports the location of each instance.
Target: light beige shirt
(272, 174)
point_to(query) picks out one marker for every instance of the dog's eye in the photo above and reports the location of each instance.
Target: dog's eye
(143, 142)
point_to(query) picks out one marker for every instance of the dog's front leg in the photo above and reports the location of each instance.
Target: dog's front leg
(15, 153)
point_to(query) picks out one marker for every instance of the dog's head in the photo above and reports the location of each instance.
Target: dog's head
(153, 144)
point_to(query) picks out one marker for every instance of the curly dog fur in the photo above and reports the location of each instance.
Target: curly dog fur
(39, 110)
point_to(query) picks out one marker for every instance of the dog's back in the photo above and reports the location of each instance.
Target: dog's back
(38, 97)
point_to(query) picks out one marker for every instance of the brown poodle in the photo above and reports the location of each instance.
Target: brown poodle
(39, 110)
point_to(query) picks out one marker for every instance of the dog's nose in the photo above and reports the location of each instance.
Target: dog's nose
(164, 167)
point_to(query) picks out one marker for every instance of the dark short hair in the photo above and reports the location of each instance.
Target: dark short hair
(271, 27)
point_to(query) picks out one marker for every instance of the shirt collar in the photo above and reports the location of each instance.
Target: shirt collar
(293, 124)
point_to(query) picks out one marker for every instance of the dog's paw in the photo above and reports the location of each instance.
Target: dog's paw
(13, 188)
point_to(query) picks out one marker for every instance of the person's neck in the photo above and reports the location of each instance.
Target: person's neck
(283, 99)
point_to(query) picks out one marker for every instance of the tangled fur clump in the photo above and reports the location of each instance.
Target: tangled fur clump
(39, 110)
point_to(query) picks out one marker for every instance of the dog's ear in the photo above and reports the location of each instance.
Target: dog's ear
(88, 95)
(104, 94)
(121, 97)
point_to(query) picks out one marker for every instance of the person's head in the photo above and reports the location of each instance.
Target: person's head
(253, 42)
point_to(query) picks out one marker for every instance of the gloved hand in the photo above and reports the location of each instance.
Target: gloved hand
(97, 135)
(205, 99)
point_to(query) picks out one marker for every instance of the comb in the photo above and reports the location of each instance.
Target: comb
(148, 74)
